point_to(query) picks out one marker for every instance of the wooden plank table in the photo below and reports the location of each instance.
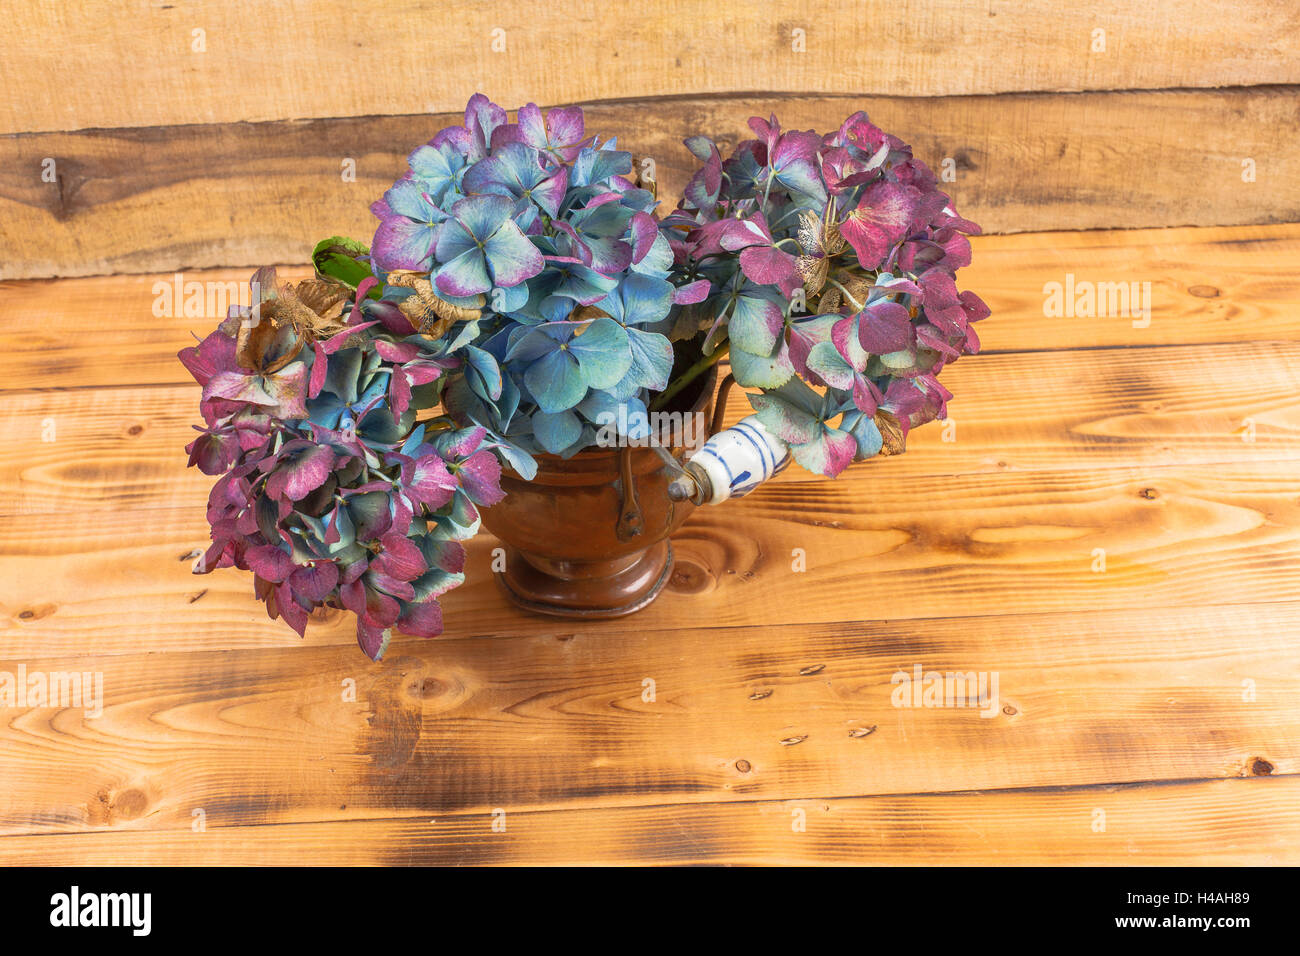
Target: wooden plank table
(1110, 524)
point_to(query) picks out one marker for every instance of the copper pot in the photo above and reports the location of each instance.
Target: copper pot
(588, 536)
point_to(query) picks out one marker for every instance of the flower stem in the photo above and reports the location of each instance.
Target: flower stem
(688, 376)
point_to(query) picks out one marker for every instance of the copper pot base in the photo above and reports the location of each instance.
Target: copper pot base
(577, 592)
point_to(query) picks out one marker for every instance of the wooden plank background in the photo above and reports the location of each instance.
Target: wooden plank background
(1158, 689)
(323, 58)
(231, 156)
(133, 200)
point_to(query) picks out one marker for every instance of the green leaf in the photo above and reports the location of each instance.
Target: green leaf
(338, 257)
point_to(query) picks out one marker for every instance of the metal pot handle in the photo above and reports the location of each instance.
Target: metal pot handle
(631, 521)
(720, 404)
(731, 464)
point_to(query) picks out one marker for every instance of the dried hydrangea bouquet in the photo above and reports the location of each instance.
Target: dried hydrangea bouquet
(521, 294)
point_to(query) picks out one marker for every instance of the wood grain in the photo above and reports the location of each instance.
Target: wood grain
(1225, 823)
(735, 714)
(192, 196)
(331, 58)
(1174, 536)
(1014, 412)
(1157, 689)
(1208, 286)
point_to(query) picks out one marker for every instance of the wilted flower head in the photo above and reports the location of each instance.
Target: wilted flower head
(329, 492)
(540, 229)
(831, 263)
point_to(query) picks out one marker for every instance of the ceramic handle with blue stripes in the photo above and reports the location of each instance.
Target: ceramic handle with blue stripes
(732, 463)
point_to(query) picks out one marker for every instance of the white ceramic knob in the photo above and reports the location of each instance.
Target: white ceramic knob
(737, 460)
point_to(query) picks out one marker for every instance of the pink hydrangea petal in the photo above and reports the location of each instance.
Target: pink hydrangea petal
(421, 619)
(301, 475)
(401, 558)
(315, 581)
(480, 476)
(372, 640)
(447, 555)
(270, 563)
(429, 482)
(767, 265)
(880, 220)
(692, 292)
(884, 328)
(291, 612)
(391, 586)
